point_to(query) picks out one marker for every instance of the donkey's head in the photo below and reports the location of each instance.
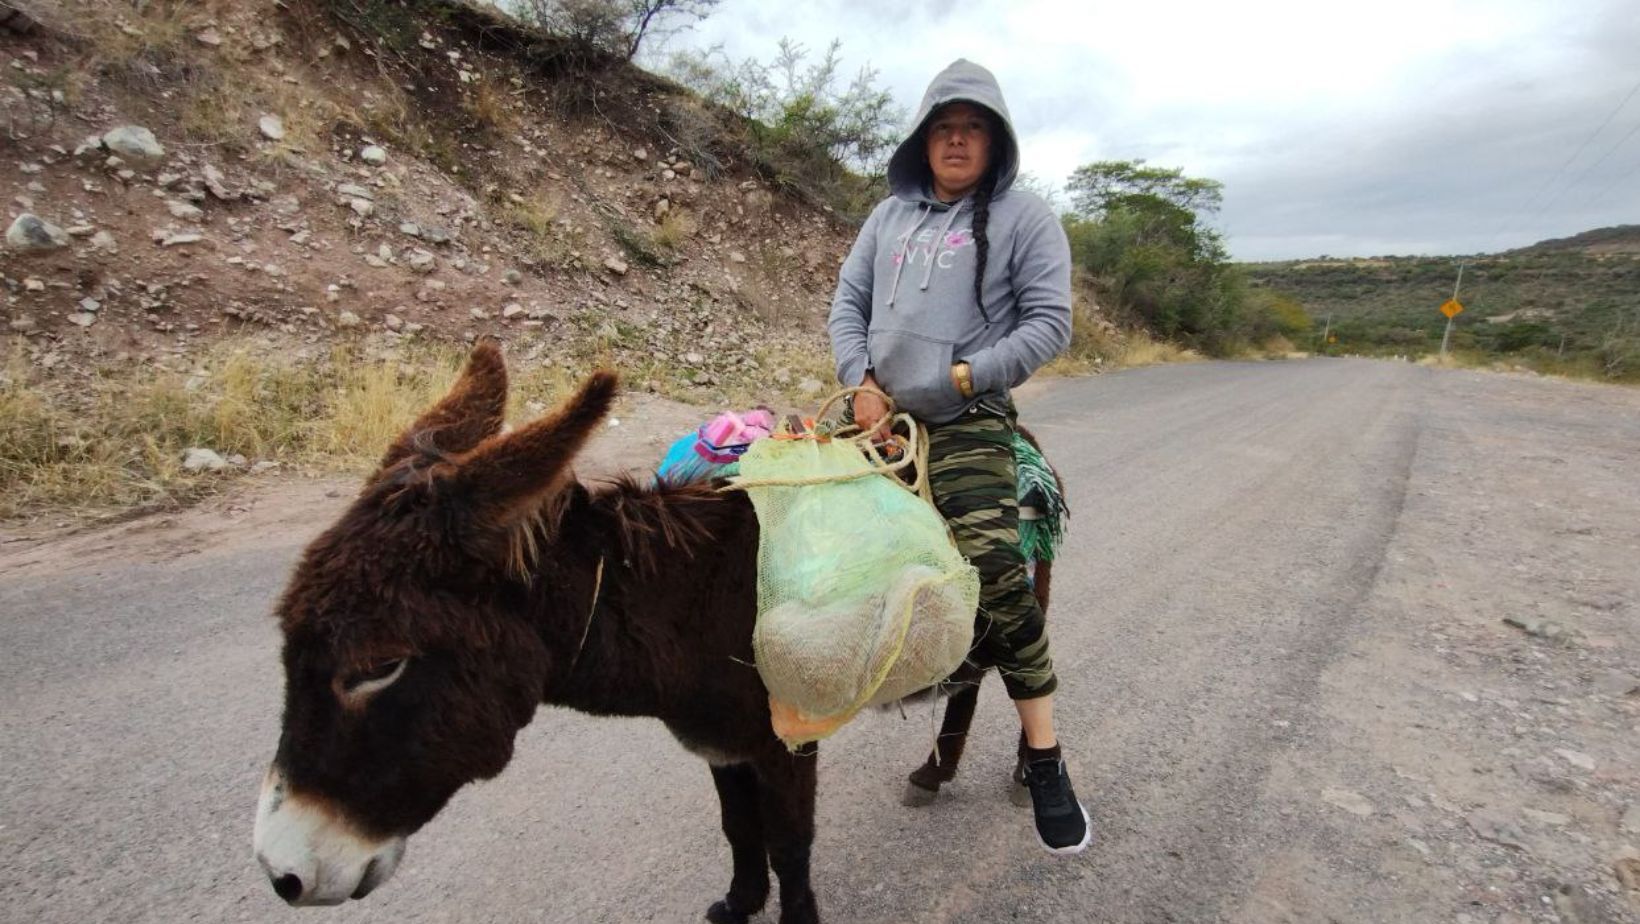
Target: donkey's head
(409, 666)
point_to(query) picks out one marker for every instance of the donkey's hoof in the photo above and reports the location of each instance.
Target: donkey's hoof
(916, 796)
(721, 913)
(1019, 794)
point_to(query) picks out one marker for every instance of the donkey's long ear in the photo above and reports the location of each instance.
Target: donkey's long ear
(509, 476)
(471, 413)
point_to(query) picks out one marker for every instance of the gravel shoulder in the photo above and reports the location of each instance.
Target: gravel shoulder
(1288, 688)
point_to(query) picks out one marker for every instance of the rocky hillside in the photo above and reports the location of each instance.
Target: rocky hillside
(291, 173)
(1570, 305)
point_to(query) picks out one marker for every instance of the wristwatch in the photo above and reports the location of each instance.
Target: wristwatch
(962, 376)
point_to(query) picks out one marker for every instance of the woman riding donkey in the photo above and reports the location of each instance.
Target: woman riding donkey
(956, 290)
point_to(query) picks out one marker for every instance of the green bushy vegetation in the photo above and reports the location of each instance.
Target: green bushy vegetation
(804, 127)
(1141, 234)
(1560, 311)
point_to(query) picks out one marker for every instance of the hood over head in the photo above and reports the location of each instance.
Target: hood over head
(962, 81)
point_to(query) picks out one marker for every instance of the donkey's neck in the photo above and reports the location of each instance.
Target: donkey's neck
(641, 594)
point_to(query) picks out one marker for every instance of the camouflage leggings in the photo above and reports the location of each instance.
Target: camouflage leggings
(971, 472)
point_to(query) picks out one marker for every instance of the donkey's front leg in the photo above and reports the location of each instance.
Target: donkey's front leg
(787, 799)
(923, 785)
(737, 789)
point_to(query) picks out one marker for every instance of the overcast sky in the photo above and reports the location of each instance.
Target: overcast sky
(1350, 129)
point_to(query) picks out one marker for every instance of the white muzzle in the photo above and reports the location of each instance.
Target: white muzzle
(312, 853)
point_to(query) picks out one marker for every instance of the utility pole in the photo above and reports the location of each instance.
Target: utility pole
(1447, 337)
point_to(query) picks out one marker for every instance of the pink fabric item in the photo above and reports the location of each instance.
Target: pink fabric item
(726, 436)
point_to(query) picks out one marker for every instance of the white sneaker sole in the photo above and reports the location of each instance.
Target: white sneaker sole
(1074, 849)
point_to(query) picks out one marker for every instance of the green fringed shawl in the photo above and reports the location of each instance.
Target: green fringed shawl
(1039, 535)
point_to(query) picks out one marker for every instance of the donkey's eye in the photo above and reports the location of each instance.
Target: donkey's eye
(374, 677)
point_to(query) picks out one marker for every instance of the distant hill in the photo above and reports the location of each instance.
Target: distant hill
(1616, 239)
(1571, 303)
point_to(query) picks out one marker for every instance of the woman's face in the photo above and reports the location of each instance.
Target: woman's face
(959, 148)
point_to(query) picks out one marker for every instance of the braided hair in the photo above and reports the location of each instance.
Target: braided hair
(982, 241)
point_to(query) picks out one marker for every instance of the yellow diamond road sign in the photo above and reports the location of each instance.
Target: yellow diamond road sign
(1451, 308)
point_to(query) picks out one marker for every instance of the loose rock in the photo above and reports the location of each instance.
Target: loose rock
(1538, 628)
(198, 458)
(133, 141)
(31, 233)
(422, 261)
(347, 319)
(1349, 801)
(218, 185)
(1577, 759)
(616, 265)
(374, 155)
(82, 318)
(1497, 829)
(272, 127)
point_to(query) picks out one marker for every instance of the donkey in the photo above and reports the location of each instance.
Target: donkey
(474, 578)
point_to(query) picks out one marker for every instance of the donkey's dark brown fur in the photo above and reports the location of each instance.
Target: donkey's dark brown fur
(480, 579)
(630, 600)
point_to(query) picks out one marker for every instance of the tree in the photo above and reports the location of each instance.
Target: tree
(1139, 231)
(1098, 187)
(611, 26)
(804, 113)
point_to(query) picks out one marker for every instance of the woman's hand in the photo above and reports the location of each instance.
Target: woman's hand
(869, 407)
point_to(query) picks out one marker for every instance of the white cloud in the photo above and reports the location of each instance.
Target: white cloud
(1401, 125)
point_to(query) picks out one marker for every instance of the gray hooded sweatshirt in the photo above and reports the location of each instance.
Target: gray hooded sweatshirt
(905, 309)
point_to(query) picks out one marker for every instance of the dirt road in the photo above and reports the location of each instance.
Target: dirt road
(1288, 690)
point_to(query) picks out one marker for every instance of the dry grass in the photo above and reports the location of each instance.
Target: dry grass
(1097, 346)
(536, 215)
(674, 230)
(120, 443)
(1141, 350)
(490, 107)
(153, 47)
(547, 241)
(133, 39)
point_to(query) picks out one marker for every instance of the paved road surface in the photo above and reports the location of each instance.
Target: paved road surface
(1283, 583)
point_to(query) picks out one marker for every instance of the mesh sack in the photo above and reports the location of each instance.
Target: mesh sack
(862, 597)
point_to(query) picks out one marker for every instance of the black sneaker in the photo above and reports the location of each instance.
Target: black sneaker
(1061, 822)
